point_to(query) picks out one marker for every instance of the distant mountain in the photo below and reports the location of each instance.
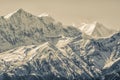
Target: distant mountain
(96, 29)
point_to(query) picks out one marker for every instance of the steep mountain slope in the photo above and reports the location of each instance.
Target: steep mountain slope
(39, 48)
(22, 28)
(65, 62)
(102, 54)
(44, 61)
(105, 54)
(96, 29)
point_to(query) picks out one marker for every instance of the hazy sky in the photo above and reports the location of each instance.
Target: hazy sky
(69, 11)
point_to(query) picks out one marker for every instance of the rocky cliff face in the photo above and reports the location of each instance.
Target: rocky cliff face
(38, 48)
(22, 28)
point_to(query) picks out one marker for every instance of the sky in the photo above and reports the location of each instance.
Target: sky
(69, 12)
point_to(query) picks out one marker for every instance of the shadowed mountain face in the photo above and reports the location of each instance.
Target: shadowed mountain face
(39, 48)
(22, 28)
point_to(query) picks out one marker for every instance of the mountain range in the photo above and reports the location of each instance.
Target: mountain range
(39, 48)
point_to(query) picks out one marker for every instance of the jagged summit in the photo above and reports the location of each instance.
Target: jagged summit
(18, 11)
(22, 28)
(23, 12)
(88, 28)
(96, 29)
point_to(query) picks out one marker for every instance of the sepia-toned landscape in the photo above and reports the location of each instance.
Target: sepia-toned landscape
(41, 47)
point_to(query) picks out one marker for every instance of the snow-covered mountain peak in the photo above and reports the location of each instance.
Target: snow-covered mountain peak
(18, 11)
(88, 28)
(95, 29)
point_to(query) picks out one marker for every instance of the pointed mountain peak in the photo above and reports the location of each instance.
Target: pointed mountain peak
(98, 24)
(18, 11)
(88, 28)
(95, 29)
